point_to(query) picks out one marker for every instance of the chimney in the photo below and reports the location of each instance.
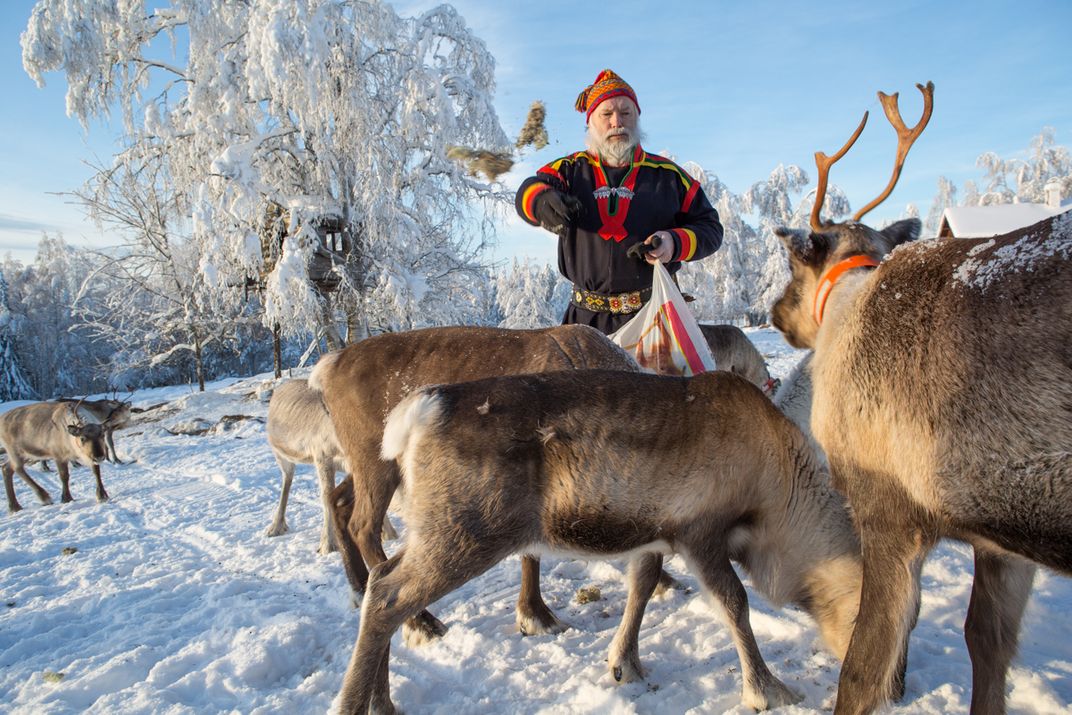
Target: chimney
(1053, 194)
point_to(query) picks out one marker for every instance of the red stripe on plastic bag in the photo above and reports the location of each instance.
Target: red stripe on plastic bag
(681, 336)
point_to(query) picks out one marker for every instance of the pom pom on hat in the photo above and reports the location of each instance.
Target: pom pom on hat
(606, 85)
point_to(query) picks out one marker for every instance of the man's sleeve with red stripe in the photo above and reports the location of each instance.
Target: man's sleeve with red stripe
(698, 232)
(548, 177)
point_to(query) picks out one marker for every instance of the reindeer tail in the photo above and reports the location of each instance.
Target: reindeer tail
(320, 372)
(408, 421)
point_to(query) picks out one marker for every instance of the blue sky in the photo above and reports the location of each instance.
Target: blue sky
(737, 87)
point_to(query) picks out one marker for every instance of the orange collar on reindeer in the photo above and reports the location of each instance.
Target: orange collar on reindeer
(826, 283)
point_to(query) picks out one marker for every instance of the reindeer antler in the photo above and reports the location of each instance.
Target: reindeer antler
(823, 164)
(905, 137)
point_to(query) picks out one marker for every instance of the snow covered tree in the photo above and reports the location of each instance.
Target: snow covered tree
(308, 105)
(56, 356)
(531, 295)
(947, 197)
(13, 383)
(159, 309)
(771, 201)
(1047, 163)
(720, 282)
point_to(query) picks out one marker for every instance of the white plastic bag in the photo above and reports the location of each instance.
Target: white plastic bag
(664, 336)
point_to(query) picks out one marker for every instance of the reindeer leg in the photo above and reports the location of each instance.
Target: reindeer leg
(12, 503)
(366, 524)
(112, 454)
(102, 496)
(365, 686)
(42, 495)
(419, 574)
(342, 509)
(279, 521)
(667, 583)
(624, 658)
(325, 472)
(999, 595)
(760, 689)
(894, 548)
(533, 615)
(65, 480)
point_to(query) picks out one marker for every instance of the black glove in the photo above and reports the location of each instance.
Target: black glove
(556, 211)
(637, 250)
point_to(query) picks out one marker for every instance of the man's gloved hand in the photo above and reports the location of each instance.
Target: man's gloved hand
(556, 211)
(640, 250)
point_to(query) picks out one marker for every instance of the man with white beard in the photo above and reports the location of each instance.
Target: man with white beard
(603, 201)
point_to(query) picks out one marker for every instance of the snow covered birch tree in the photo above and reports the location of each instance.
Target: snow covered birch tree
(309, 106)
(13, 383)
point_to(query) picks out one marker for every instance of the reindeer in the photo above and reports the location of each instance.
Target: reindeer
(111, 415)
(60, 431)
(300, 432)
(734, 352)
(360, 385)
(604, 464)
(943, 399)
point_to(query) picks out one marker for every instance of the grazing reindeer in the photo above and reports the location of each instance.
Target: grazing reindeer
(60, 431)
(943, 399)
(111, 415)
(361, 384)
(300, 432)
(602, 464)
(734, 352)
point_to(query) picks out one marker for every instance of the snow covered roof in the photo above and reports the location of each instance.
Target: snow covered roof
(986, 221)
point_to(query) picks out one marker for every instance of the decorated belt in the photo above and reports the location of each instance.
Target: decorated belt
(617, 303)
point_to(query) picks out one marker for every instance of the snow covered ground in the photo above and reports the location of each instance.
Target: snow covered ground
(170, 599)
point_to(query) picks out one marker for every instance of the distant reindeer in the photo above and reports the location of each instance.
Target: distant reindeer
(734, 352)
(943, 399)
(300, 432)
(360, 385)
(111, 415)
(60, 431)
(605, 464)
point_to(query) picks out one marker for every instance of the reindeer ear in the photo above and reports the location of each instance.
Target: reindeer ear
(803, 245)
(902, 231)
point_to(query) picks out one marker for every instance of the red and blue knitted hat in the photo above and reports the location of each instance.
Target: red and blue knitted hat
(607, 85)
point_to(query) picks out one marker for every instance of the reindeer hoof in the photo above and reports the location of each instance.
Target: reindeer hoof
(101, 498)
(628, 670)
(773, 694)
(276, 530)
(422, 628)
(539, 622)
(12, 508)
(64, 499)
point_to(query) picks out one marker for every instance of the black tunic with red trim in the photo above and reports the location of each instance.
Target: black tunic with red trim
(653, 194)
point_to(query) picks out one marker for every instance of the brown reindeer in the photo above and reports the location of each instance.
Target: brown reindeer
(734, 352)
(604, 464)
(60, 431)
(361, 384)
(110, 414)
(943, 399)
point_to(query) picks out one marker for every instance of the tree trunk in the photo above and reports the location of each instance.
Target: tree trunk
(277, 351)
(199, 365)
(331, 333)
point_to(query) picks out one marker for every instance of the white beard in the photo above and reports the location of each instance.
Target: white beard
(614, 153)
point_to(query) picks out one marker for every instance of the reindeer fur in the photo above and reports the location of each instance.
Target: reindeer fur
(943, 400)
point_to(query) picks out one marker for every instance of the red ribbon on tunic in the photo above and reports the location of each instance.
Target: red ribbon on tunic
(613, 224)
